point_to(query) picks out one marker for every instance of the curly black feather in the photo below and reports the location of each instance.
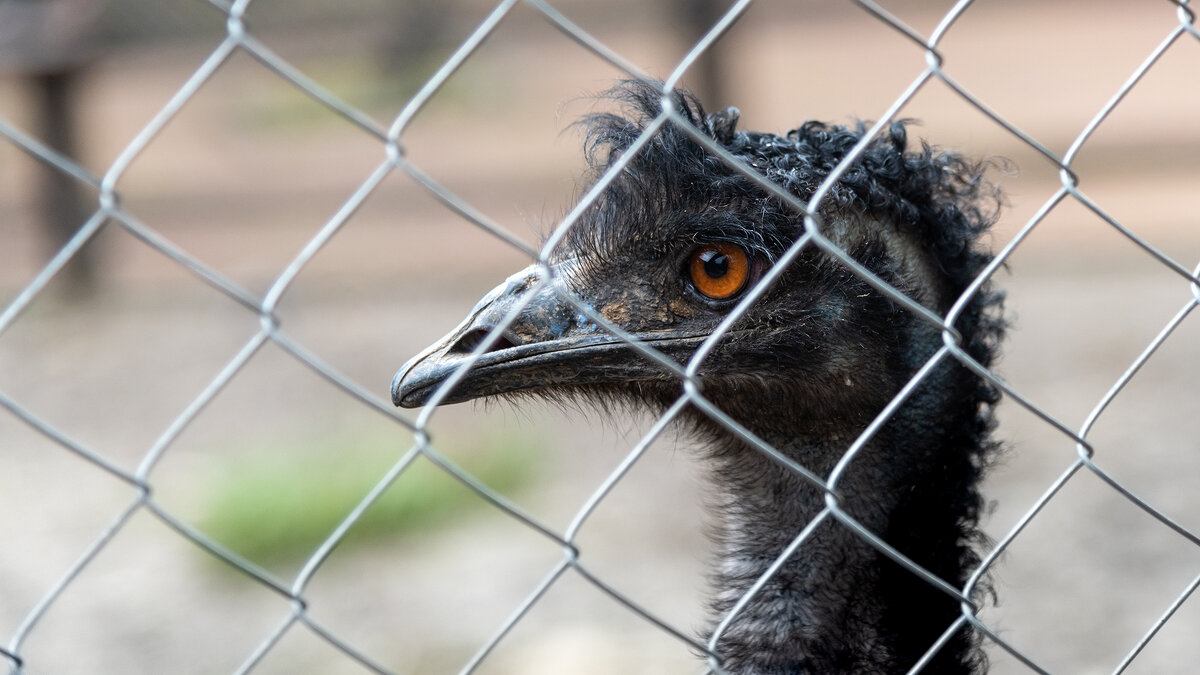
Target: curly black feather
(674, 189)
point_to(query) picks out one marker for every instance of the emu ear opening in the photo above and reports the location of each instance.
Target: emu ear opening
(724, 124)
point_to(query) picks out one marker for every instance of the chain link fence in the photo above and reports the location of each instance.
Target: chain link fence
(295, 604)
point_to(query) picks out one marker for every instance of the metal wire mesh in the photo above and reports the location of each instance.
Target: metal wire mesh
(929, 69)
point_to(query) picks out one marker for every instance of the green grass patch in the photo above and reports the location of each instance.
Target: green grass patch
(277, 507)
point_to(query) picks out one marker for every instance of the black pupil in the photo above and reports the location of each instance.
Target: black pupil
(716, 265)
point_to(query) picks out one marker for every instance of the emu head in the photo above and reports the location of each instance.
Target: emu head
(680, 237)
(665, 253)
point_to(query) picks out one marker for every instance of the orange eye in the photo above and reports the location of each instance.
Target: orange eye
(719, 271)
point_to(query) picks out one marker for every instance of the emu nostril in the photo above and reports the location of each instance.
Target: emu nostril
(472, 339)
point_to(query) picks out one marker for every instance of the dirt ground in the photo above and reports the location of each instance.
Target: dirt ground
(251, 169)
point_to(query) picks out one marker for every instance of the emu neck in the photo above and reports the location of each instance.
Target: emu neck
(837, 604)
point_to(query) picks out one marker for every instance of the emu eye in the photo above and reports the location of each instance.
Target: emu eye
(719, 271)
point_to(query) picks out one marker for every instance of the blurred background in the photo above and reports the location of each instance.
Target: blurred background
(247, 172)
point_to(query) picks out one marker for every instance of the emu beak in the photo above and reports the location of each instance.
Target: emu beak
(548, 344)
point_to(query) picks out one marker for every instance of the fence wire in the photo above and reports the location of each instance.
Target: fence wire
(929, 69)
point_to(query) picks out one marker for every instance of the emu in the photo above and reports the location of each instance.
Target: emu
(664, 253)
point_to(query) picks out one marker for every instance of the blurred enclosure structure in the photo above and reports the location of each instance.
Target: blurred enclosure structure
(172, 421)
